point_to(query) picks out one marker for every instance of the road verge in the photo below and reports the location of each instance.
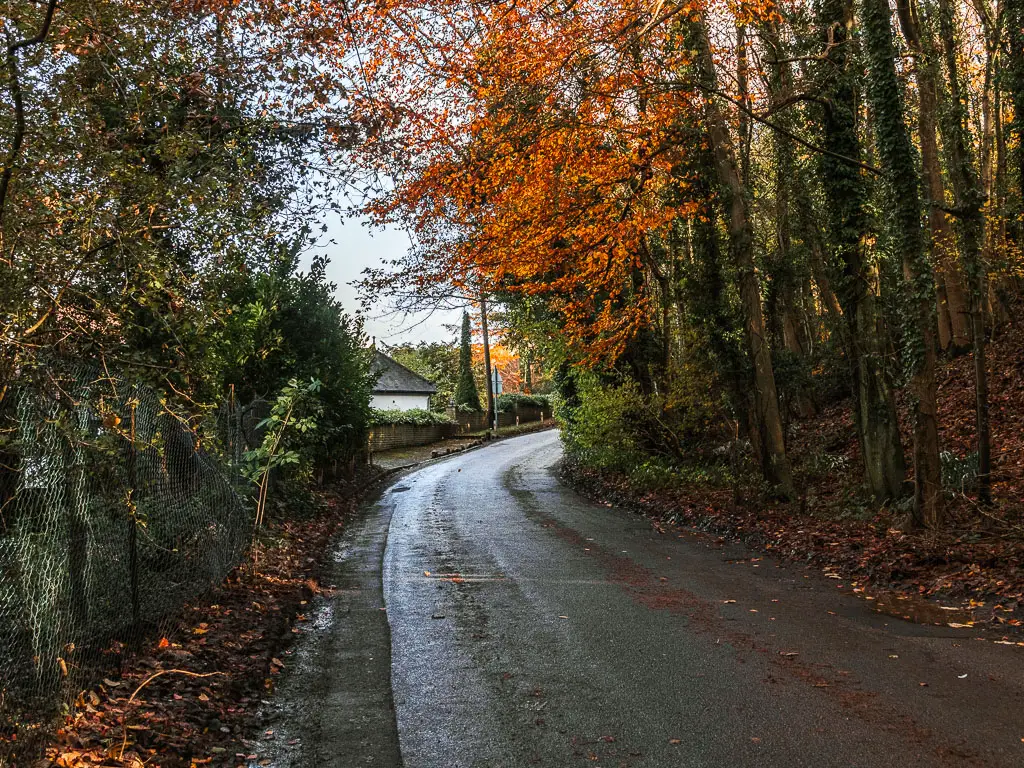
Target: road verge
(931, 577)
(192, 696)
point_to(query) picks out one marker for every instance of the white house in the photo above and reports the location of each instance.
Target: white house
(397, 387)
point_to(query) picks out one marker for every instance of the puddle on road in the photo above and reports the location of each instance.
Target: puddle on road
(917, 610)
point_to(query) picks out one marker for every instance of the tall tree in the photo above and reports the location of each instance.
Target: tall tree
(968, 200)
(467, 397)
(898, 156)
(766, 427)
(788, 266)
(953, 313)
(540, 146)
(143, 167)
(1014, 83)
(846, 194)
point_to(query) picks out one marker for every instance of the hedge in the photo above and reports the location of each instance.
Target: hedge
(513, 400)
(416, 417)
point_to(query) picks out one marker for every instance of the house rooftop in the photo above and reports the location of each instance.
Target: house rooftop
(395, 378)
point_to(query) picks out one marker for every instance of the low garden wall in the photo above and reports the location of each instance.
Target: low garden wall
(385, 437)
(469, 422)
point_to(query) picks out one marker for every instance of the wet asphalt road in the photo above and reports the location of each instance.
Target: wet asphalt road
(528, 626)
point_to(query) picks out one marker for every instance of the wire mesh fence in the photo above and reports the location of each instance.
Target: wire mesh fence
(113, 513)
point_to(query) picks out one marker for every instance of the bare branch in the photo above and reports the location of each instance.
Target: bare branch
(19, 105)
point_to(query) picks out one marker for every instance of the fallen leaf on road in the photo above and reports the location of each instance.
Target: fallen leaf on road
(680, 741)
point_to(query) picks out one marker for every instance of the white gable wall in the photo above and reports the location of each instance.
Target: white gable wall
(388, 401)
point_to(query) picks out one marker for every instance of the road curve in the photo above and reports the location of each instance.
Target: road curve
(529, 626)
(552, 631)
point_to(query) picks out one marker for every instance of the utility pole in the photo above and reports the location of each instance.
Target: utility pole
(492, 414)
(496, 388)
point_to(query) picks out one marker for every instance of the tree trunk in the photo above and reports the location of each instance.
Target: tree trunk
(788, 271)
(968, 197)
(820, 274)
(846, 194)
(989, 115)
(767, 418)
(13, 66)
(897, 155)
(742, 86)
(952, 300)
(706, 301)
(1013, 76)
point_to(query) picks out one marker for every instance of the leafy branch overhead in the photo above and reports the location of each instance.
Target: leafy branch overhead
(672, 193)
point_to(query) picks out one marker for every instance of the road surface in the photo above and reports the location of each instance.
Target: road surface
(484, 615)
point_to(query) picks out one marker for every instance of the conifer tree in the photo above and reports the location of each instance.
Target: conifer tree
(466, 396)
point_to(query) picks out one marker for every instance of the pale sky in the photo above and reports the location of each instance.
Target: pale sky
(357, 247)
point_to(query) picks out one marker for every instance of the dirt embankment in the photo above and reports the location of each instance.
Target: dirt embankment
(975, 565)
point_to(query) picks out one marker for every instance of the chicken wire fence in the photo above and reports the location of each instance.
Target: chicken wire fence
(113, 513)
